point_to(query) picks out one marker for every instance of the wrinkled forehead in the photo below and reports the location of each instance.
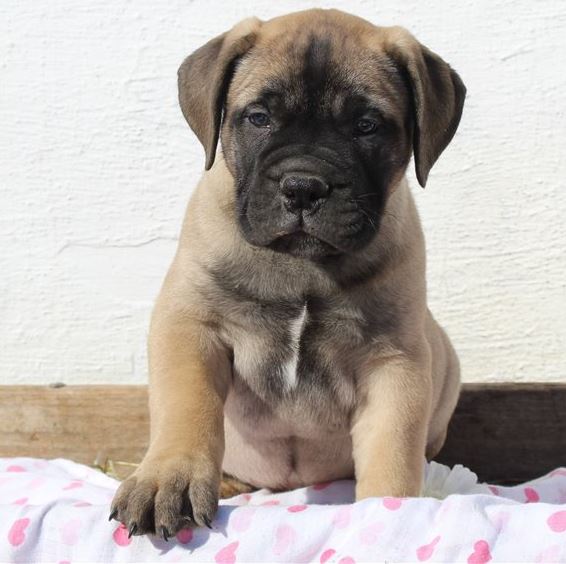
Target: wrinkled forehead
(326, 69)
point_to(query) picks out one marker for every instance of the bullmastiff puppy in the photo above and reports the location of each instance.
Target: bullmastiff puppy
(291, 342)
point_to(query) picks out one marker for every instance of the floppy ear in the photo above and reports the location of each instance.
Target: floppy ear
(438, 98)
(203, 81)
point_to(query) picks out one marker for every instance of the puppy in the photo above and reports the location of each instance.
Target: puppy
(291, 342)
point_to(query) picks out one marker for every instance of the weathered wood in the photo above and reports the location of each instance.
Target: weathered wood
(508, 433)
(504, 432)
(76, 422)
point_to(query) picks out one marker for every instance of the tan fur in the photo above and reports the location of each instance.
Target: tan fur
(230, 486)
(405, 388)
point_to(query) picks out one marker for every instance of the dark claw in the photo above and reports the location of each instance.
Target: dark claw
(207, 522)
(113, 515)
(132, 531)
(165, 534)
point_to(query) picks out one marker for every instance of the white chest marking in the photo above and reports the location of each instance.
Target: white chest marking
(296, 331)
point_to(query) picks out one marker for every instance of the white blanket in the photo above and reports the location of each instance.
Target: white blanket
(57, 511)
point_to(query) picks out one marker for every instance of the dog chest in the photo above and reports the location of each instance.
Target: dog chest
(294, 363)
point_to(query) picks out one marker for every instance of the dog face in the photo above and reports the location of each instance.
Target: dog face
(321, 111)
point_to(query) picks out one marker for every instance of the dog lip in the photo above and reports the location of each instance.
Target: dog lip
(292, 242)
(300, 233)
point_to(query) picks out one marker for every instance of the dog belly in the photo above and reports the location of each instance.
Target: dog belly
(276, 458)
(287, 415)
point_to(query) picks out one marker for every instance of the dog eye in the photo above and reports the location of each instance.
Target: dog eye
(259, 119)
(365, 126)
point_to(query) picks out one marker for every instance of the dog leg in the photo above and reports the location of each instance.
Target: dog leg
(178, 480)
(390, 428)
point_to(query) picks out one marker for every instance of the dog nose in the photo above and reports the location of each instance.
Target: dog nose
(301, 192)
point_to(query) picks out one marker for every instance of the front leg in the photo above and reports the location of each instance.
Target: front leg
(177, 482)
(390, 426)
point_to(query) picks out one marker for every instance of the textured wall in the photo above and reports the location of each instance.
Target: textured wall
(96, 166)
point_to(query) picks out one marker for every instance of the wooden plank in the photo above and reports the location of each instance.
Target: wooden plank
(75, 422)
(506, 433)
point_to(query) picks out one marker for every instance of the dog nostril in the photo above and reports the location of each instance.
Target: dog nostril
(302, 191)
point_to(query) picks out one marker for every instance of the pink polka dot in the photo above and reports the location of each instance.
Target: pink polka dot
(15, 468)
(392, 503)
(64, 562)
(82, 504)
(481, 553)
(342, 517)
(296, 508)
(426, 551)
(531, 495)
(242, 518)
(185, 536)
(120, 536)
(74, 485)
(557, 521)
(309, 553)
(227, 555)
(494, 490)
(35, 483)
(17, 534)
(327, 555)
(321, 486)
(346, 560)
(21, 501)
(284, 537)
(271, 502)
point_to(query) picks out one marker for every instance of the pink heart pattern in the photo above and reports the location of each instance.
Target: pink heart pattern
(284, 537)
(557, 522)
(426, 551)
(358, 529)
(321, 486)
(120, 536)
(242, 519)
(532, 495)
(74, 485)
(481, 553)
(227, 555)
(17, 532)
(392, 503)
(342, 517)
(327, 555)
(15, 468)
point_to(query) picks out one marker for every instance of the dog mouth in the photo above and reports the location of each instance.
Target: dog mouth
(300, 243)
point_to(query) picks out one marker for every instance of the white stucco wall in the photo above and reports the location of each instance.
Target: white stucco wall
(97, 163)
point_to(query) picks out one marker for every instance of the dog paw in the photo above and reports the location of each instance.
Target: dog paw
(167, 494)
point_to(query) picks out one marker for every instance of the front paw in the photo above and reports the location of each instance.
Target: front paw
(166, 494)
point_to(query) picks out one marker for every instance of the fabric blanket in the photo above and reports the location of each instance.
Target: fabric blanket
(57, 511)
